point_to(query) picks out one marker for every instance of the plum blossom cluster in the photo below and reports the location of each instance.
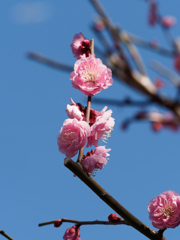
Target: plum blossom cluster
(75, 133)
(86, 126)
(90, 76)
(164, 210)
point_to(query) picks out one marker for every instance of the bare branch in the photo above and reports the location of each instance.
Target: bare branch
(125, 102)
(5, 235)
(96, 222)
(143, 43)
(172, 76)
(51, 63)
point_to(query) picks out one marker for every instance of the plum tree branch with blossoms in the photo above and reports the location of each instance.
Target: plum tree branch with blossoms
(110, 201)
(86, 127)
(119, 64)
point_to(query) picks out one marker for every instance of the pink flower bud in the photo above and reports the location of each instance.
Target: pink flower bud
(73, 111)
(101, 128)
(58, 223)
(72, 233)
(113, 217)
(177, 62)
(153, 13)
(73, 136)
(157, 126)
(95, 159)
(90, 76)
(80, 46)
(164, 210)
(168, 21)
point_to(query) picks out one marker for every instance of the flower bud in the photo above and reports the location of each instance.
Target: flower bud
(113, 217)
(58, 223)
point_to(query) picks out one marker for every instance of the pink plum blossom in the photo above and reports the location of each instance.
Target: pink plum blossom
(78, 111)
(101, 128)
(95, 159)
(168, 21)
(177, 62)
(113, 217)
(74, 111)
(80, 46)
(153, 13)
(72, 136)
(164, 210)
(72, 233)
(90, 76)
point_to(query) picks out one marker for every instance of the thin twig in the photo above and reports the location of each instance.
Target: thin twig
(126, 102)
(42, 59)
(103, 41)
(172, 76)
(5, 235)
(96, 222)
(110, 201)
(133, 51)
(143, 43)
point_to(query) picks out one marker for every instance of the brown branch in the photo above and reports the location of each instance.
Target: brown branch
(5, 235)
(51, 63)
(96, 222)
(110, 201)
(125, 102)
(143, 43)
(172, 76)
(81, 151)
(133, 51)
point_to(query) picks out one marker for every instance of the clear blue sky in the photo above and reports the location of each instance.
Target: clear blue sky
(35, 185)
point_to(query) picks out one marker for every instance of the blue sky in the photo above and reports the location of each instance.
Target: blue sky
(35, 185)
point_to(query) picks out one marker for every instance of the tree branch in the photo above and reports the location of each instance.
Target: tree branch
(96, 222)
(5, 235)
(110, 201)
(51, 63)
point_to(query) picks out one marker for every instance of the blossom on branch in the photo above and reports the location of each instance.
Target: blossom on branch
(80, 46)
(58, 223)
(90, 76)
(101, 128)
(72, 233)
(78, 111)
(75, 110)
(113, 217)
(164, 210)
(168, 21)
(95, 159)
(153, 13)
(177, 62)
(73, 136)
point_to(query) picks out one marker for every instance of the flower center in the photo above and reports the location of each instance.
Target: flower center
(168, 211)
(66, 138)
(91, 73)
